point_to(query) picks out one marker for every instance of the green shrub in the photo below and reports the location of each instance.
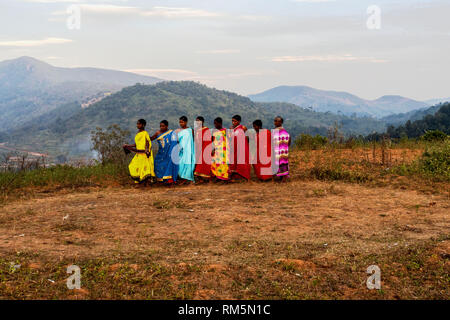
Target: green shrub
(108, 144)
(436, 161)
(434, 135)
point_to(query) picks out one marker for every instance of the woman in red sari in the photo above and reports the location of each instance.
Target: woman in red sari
(262, 160)
(202, 151)
(240, 165)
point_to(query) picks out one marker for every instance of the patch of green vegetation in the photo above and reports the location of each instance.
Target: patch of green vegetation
(434, 163)
(62, 176)
(309, 142)
(434, 135)
(334, 174)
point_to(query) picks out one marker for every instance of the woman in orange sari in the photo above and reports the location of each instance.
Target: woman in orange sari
(220, 152)
(202, 151)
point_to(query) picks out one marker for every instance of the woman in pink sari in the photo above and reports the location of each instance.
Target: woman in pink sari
(281, 142)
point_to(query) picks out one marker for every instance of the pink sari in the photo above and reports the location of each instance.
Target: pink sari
(281, 151)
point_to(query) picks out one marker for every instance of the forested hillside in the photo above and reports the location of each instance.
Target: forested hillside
(68, 131)
(413, 129)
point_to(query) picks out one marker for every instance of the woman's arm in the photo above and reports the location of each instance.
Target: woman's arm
(153, 137)
(213, 149)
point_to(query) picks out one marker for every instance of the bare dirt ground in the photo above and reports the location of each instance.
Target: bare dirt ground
(299, 240)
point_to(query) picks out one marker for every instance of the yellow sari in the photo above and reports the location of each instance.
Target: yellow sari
(220, 160)
(141, 167)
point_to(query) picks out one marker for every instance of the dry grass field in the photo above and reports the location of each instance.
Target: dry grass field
(310, 238)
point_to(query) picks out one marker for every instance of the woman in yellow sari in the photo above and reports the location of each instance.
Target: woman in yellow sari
(220, 153)
(142, 166)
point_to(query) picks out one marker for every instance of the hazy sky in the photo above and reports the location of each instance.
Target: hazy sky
(245, 46)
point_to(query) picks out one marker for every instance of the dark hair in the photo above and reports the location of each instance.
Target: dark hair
(200, 118)
(278, 117)
(142, 121)
(237, 117)
(165, 122)
(258, 123)
(184, 118)
(218, 120)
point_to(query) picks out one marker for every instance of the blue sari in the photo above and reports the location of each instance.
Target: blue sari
(166, 168)
(186, 154)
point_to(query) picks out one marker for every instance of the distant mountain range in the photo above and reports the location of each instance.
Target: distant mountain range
(339, 102)
(53, 110)
(30, 88)
(66, 130)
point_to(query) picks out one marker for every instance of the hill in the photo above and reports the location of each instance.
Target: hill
(438, 101)
(413, 129)
(402, 118)
(29, 87)
(70, 132)
(338, 102)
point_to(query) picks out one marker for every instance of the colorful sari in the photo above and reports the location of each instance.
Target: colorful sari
(141, 166)
(165, 167)
(281, 151)
(220, 160)
(262, 160)
(203, 153)
(186, 154)
(241, 155)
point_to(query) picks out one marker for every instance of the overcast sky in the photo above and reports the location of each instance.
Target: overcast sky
(245, 46)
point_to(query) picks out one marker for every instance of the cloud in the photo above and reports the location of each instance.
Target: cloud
(70, 1)
(313, 1)
(172, 12)
(161, 12)
(326, 58)
(102, 9)
(181, 71)
(181, 74)
(54, 1)
(171, 74)
(33, 43)
(223, 51)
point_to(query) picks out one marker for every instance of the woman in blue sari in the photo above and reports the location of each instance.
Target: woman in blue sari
(166, 167)
(186, 149)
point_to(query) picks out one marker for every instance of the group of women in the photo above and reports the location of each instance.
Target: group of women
(202, 154)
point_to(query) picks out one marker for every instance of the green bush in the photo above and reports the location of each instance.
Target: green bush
(436, 161)
(434, 135)
(308, 142)
(108, 144)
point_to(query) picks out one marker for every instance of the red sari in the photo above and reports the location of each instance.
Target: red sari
(263, 162)
(203, 153)
(241, 155)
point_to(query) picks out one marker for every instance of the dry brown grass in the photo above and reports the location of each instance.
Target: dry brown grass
(306, 239)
